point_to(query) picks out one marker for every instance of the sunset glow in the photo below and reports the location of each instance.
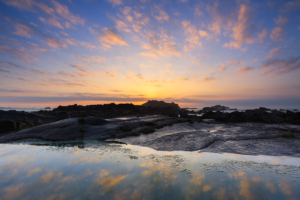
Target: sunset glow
(195, 53)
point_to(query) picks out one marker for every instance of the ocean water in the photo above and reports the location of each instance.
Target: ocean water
(23, 109)
(97, 170)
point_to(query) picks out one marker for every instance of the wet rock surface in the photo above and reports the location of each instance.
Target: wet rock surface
(253, 132)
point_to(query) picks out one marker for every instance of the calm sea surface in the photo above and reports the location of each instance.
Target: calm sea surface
(95, 170)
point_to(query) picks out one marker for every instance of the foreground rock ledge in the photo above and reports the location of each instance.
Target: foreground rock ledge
(173, 134)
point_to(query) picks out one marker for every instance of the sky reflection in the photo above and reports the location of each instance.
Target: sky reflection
(99, 170)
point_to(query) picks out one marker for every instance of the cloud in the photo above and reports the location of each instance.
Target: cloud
(243, 70)
(61, 10)
(276, 34)
(232, 45)
(111, 37)
(262, 35)
(274, 52)
(17, 52)
(79, 68)
(136, 75)
(281, 20)
(160, 44)
(4, 70)
(275, 66)
(192, 34)
(163, 16)
(235, 62)
(291, 6)
(208, 79)
(64, 12)
(203, 33)
(55, 43)
(98, 59)
(28, 30)
(150, 55)
(115, 2)
(184, 79)
(223, 68)
(205, 55)
(37, 71)
(52, 22)
(46, 178)
(242, 32)
(82, 43)
(60, 82)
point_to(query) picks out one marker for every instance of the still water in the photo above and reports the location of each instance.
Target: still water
(96, 170)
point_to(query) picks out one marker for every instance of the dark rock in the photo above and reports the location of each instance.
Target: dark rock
(91, 120)
(125, 128)
(61, 115)
(7, 126)
(38, 122)
(218, 116)
(236, 117)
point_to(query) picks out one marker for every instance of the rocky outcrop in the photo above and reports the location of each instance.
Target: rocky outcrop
(257, 115)
(160, 104)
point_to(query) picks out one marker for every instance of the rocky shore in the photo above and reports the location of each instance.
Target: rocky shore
(162, 126)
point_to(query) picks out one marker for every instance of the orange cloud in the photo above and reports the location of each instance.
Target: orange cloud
(191, 33)
(232, 45)
(55, 43)
(242, 32)
(98, 59)
(235, 62)
(243, 70)
(208, 79)
(163, 16)
(50, 176)
(151, 55)
(111, 37)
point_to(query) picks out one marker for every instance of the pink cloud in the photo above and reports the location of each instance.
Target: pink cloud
(64, 12)
(55, 43)
(111, 37)
(98, 59)
(262, 35)
(162, 15)
(243, 70)
(274, 52)
(275, 66)
(281, 20)
(243, 30)
(208, 79)
(276, 33)
(115, 2)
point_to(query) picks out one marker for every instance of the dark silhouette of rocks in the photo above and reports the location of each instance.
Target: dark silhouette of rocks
(214, 108)
(160, 104)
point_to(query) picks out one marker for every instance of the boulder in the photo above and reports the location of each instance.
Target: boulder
(91, 120)
(61, 115)
(38, 122)
(236, 117)
(7, 126)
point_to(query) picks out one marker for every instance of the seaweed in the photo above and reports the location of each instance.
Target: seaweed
(187, 171)
(133, 157)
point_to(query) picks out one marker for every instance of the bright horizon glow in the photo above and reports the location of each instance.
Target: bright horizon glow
(194, 53)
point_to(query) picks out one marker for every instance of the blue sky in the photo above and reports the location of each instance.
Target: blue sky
(190, 52)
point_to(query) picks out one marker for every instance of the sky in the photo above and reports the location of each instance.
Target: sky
(195, 53)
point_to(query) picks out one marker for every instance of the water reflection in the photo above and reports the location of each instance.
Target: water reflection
(95, 170)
